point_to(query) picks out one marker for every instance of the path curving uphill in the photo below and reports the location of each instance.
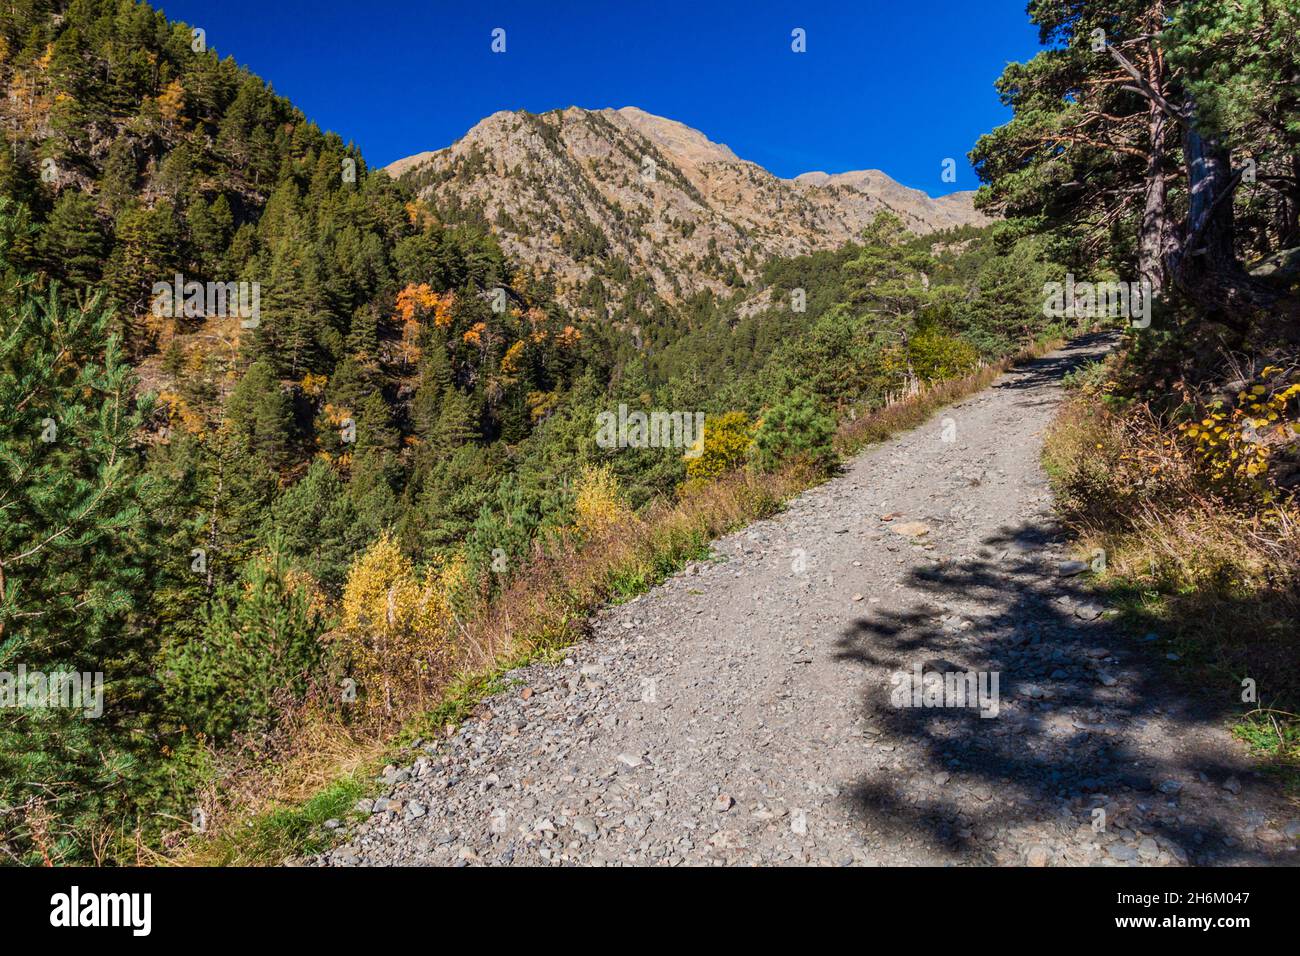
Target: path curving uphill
(741, 713)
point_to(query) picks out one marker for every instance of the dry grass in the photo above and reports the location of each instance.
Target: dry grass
(1210, 569)
(1124, 479)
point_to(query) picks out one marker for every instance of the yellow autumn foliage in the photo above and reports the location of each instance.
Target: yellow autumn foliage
(1239, 442)
(396, 624)
(171, 101)
(727, 440)
(541, 404)
(599, 500)
(313, 385)
(181, 415)
(513, 359)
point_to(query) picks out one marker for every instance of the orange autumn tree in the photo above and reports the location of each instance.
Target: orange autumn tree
(442, 309)
(412, 303)
(414, 300)
(415, 303)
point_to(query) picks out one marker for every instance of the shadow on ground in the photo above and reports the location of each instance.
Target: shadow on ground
(1086, 720)
(1048, 370)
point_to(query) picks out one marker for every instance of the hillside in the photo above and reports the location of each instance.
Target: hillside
(600, 196)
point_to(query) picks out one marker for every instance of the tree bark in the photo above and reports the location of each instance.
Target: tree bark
(1206, 268)
(1290, 230)
(1154, 234)
(1156, 242)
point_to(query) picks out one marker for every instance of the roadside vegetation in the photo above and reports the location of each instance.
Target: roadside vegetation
(1202, 548)
(1151, 141)
(612, 555)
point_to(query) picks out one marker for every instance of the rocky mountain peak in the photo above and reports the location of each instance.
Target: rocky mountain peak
(611, 193)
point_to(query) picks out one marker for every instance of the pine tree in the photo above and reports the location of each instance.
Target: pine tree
(291, 334)
(319, 525)
(118, 183)
(16, 179)
(261, 414)
(72, 243)
(68, 75)
(363, 337)
(436, 377)
(146, 251)
(260, 636)
(211, 225)
(70, 567)
(69, 468)
(796, 427)
(457, 422)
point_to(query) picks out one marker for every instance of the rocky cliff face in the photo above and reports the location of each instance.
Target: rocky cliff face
(609, 195)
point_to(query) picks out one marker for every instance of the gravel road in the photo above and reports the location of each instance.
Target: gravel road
(745, 711)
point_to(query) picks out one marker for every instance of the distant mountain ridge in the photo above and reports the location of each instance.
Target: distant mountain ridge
(599, 197)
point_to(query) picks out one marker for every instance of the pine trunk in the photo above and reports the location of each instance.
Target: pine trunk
(1206, 268)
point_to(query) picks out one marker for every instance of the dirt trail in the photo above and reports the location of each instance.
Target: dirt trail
(741, 713)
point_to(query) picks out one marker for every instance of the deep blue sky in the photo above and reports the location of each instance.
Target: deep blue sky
(896, 85)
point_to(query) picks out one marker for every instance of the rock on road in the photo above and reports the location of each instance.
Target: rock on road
(741, 713)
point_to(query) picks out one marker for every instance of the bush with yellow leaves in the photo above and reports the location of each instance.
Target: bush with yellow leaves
(599, 501)
(1238, 442)
(396, 625)
(727, 440)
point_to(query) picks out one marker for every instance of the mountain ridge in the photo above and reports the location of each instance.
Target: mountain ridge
(601, 195)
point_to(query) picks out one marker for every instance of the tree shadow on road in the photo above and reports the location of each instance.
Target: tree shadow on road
(1086, 720)
(1049, 369)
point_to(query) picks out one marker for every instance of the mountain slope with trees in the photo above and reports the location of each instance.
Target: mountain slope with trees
(610, 200)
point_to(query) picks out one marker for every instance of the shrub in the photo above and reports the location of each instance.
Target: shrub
(727, 440)
(393, 637)
(937, 357)
(932, 357)
(258, 647)
(1244, 440)
(599, 501)
(798, 426)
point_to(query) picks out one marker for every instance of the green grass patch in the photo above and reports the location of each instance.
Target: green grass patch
(270, 837)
